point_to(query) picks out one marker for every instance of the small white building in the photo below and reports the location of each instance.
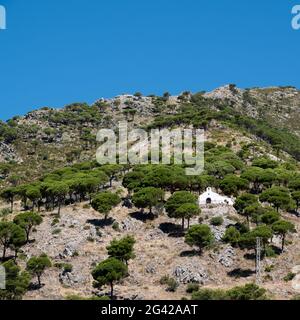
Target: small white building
(210, 197)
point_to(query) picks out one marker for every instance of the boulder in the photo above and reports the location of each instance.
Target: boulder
(130, 224)
(190, 273)
(69, 279)
(227, 256)
(69, 251)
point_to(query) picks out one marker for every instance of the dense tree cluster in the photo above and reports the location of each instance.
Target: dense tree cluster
(63, 186)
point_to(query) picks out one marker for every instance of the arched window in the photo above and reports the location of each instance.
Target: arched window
(208, 201)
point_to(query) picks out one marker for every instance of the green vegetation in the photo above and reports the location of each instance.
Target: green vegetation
(11, 235)
(282, 228)
(148, 198)
(108, 272)
(266, 188)
(104, 202)
(289, 277)
(182, 205)
(247, 292)
(170, 283)
(199, 236)
(37, 266)
(17, 282)
(122, 249)
(27, 221)
(216, 221)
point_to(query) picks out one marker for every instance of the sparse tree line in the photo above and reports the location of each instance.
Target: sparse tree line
(262, 190)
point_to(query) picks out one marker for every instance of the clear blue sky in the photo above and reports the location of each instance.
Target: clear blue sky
(62, 51)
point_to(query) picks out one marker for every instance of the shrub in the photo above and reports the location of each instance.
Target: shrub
(247, 292)
(269, 268)
(216, 221)
(75, 254)
(171, 283)
(289, 277)
(116, 226)
(66, 267)
(270, 252)
(232, 236)
(56, 231)
(55, 222)
(192, 287)
(209, 294)
(5, 212)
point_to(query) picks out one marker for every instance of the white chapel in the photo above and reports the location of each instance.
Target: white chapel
(210, 197)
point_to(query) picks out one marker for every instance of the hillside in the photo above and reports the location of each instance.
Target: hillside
(252, 154)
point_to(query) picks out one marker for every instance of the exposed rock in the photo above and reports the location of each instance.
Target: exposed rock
(296, 283)
(137, 297)
(69, 279)
(227, 256)
(93, 233)
(69, 250)
(190, 273)
(7, 153)
(296, 269)
(218, 232)
(155, 234)
(150, 268)
(130, 224)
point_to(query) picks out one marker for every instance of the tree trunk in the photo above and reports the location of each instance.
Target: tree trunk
(39, 280)
(12, 205)
(16, 254)
(59, 205)
(283, 241)
(27, 235)
(182, 224)
(189, 223)
(112, 291)
(4, 253)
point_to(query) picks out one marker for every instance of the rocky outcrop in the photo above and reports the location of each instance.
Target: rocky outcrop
(8, 153)
(227, 257)
(190, 273)
(130, 224)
